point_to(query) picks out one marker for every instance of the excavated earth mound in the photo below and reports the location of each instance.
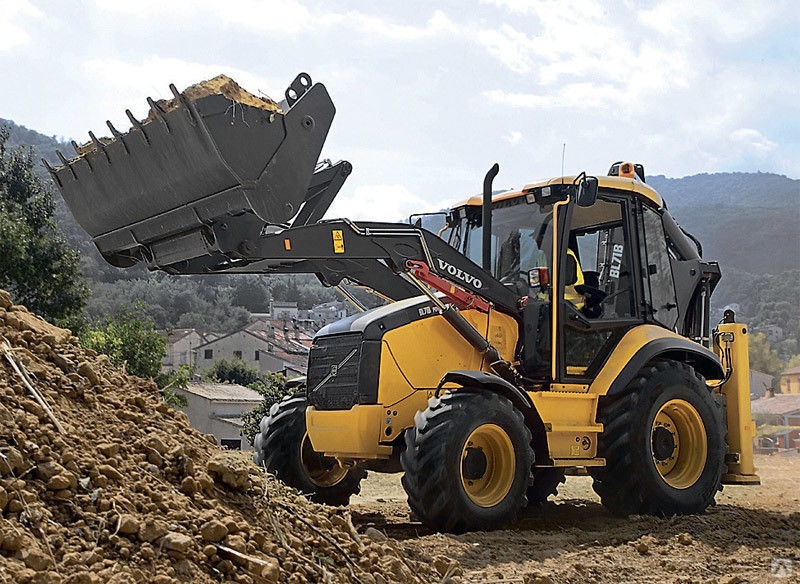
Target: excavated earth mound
(224, 85)
(122, 489)
(221, 84)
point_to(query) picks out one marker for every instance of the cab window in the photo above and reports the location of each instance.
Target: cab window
(659, 286)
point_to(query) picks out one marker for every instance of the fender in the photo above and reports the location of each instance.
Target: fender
(476, 381)
(681, 349)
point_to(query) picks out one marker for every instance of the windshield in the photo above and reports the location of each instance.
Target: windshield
(522, 239)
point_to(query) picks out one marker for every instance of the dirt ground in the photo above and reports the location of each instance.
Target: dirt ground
(751, 535)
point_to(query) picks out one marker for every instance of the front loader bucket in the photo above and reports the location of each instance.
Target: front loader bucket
(152, 193)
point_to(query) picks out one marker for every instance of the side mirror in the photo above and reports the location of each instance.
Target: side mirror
(587, 191)
(539, 278)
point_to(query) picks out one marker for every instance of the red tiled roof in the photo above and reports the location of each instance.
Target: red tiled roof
(781, 404)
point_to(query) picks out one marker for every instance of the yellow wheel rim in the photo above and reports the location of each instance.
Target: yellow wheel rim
(323, 471)
(678, 440)
(488, 465)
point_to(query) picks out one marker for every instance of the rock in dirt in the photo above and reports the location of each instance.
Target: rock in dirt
(213, 531)
(229, 469)
(89, 373)
(128, 525)
(375, 535)
(152, 530)
(177, 542)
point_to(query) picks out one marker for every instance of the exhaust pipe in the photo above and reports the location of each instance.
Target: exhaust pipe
(486, 217)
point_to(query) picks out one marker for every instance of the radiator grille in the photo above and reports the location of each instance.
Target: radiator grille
(333, 370)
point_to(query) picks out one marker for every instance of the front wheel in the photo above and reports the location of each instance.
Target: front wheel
(283, 447)
(467, 462)
(664, 444)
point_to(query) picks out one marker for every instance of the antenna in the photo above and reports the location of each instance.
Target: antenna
(563, 154)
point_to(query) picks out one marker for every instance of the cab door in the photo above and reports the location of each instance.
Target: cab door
(598, 292)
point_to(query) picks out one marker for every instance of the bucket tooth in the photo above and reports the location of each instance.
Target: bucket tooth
(99, 145)
(66, 163)
(182, 101)
(116, 133)
(157, 112)
(137, 124)
(52, 172)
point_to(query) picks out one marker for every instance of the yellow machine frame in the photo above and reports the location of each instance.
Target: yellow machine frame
(567, 411)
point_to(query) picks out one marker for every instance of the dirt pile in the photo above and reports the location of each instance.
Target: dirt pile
(221, 84)
(129, 492)
(224, 85)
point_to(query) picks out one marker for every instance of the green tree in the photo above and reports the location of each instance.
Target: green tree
(763, 357)
(36, 265)
(273, 388)
(130, 339)
(177, 379)
(233, 371)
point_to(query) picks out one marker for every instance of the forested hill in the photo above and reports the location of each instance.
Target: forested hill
(747, 221)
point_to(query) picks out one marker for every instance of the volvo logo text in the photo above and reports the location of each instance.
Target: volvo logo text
(459, 274)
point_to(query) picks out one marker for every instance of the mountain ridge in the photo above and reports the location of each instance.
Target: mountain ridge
(748, 221)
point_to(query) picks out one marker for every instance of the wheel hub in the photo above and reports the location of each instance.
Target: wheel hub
(488, 465)
(663, 443)
(474, 465)
(678, 443)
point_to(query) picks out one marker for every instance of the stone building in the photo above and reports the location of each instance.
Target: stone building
(217, 408)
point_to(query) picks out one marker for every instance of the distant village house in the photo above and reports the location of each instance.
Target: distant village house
(790, 381)
(778, 422)
(216, 409)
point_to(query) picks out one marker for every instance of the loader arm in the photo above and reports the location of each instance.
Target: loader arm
(371, 253)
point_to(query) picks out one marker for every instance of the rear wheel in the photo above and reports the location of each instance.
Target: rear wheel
(467, 462)
(664, 444)
(284, 448)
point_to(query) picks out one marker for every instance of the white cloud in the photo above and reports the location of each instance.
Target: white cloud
(514, 137)
(438, 24)
(389, 202)
(732, 22)
(286, 16)
(512, 48)
(12, 33)
(752, 142)
(583, 96)
(124, 85)
(289, 16)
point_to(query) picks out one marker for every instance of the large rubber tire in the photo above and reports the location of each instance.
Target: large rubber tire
(545, 484)
(631, 482)
(435, 478)
(282, 446)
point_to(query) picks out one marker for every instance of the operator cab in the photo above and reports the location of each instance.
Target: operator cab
(546, 244)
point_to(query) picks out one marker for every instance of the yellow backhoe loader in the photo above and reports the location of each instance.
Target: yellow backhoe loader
(562, 325)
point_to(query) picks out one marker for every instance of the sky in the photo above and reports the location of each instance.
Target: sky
(430, 94)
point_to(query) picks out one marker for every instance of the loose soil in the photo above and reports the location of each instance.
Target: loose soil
(131, 493)
(221, 84)
(751, 535)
